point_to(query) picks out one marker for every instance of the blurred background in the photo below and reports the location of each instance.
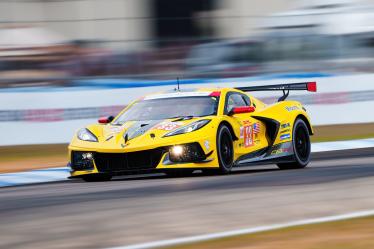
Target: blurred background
(64, 63)
(50, 42)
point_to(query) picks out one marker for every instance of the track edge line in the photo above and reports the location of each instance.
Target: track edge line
(245, 231)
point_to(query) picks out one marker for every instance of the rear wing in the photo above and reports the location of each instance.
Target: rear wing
(286, 88)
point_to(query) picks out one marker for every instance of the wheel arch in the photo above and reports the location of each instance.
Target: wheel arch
(224, 122)
(307, 122)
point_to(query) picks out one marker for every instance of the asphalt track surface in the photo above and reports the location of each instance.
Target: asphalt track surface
(137, 209)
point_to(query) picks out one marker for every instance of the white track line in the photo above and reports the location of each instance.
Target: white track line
(343, 145)
(34, 176)
(250, 230)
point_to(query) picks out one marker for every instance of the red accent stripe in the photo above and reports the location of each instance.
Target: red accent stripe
(243, 109)
(215, 94)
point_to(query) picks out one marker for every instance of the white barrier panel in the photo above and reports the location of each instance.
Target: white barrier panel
(340, 99)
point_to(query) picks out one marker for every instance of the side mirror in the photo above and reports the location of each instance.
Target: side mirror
(105, 120)
(242, 109)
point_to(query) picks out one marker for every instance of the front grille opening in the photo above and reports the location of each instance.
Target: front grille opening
(187, 153)
(82, 160)
(141, 160)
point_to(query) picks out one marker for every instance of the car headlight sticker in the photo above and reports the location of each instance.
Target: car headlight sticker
(85, 135)
(188, 128)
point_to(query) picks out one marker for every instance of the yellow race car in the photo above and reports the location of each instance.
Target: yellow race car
(208, 129)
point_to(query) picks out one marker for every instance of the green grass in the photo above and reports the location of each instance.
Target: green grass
(347, 234)
(319, 139)
(328, 133)
(22, 152)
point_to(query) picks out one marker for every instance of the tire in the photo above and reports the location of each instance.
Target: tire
(97, 178)
(179, 173)
(225, 149)
(301, 147)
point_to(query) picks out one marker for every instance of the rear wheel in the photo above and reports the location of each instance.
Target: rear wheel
(96, 178)
(301, 146)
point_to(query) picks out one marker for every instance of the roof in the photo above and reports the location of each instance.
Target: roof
(186, 93)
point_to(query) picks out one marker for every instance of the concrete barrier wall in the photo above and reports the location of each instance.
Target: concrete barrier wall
(53, 115)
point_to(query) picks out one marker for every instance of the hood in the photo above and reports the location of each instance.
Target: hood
(136, 133)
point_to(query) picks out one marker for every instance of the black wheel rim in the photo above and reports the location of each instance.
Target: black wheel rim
(226, 149)
(302, 143)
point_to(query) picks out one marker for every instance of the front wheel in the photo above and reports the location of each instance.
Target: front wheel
(225, 149)
(301, 147)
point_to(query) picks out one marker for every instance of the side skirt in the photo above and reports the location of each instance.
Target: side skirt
(279, 153)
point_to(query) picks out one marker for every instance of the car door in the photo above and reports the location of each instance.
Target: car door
(252, 131)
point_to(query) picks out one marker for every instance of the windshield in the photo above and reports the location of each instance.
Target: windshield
(158, 109)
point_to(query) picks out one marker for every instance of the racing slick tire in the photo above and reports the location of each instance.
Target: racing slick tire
(225, 149)
(301, 147)
(97, 178)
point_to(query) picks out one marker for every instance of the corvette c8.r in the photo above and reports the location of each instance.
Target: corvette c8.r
(210, 129)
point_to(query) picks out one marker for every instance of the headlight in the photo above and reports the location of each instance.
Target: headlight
(188, 128)
(177, 150)
(85, 135)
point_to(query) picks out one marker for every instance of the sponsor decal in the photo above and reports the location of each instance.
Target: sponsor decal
(115, 129)
(282, 148)
(206, 144)
(292, 108)
(248, 136)
(277, 151)
(285, 136)
(280, 151)
(244, 123)
(249, 132)
(256, 128)
(168, 126)
(286, 125)
(284, 131)
(111, 131)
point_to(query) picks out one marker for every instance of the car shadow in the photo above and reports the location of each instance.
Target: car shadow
(196, 174)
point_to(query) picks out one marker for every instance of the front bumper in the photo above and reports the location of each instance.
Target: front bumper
(196, 155)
